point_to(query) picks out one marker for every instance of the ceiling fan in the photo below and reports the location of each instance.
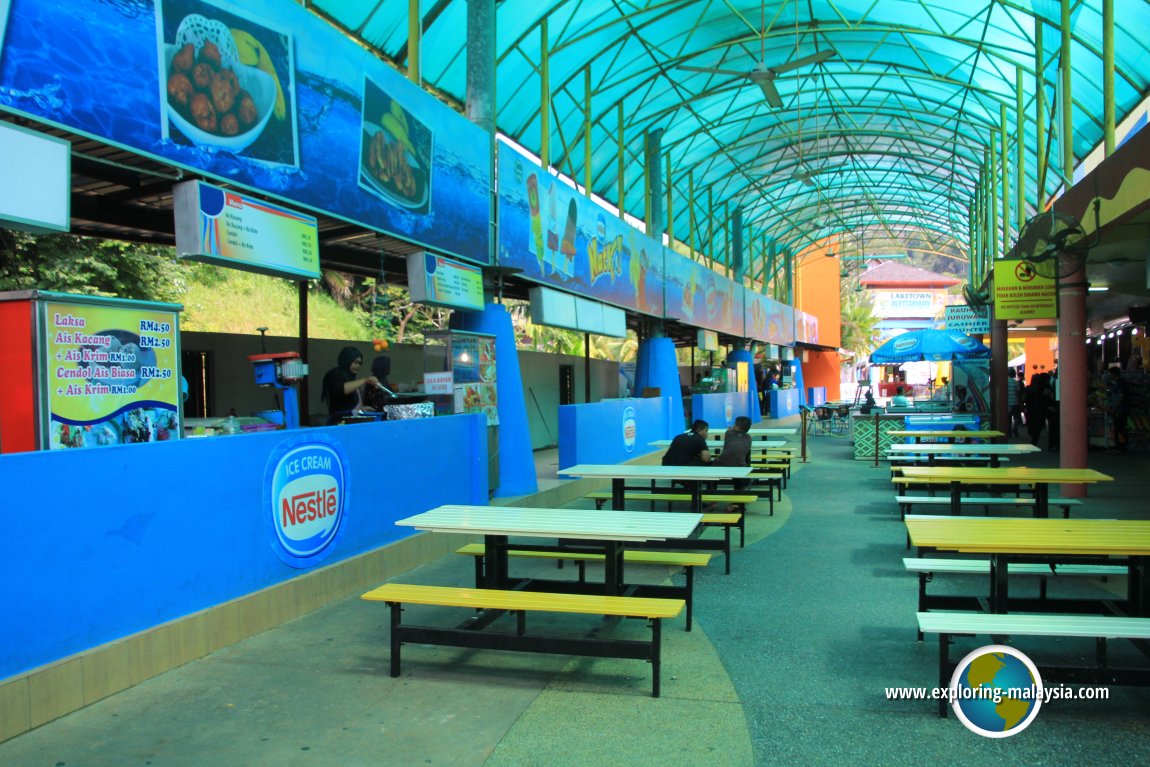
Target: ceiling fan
(764, 76)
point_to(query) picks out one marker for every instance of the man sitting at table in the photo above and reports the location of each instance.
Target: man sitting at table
(689, 448)
(899, 399)
(737, 448)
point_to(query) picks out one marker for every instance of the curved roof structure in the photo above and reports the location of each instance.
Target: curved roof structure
(816, 118)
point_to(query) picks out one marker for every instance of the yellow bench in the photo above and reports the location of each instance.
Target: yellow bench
(686, 560)
(395, 595)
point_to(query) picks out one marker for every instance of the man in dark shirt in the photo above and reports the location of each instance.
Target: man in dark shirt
(690, 448)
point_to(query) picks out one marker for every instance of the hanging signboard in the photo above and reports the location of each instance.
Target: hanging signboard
(559, 237)
(442, 281)
(234, 230)
(44, 206)
(1020, 293)
(283, 104)
(969, 320)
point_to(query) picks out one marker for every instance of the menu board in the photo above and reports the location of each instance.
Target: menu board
(442, 281)
(223, 227)
(473, 366)
(111, 374)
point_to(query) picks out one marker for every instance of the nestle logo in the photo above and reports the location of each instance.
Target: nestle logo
(307, 501)
(630, 429)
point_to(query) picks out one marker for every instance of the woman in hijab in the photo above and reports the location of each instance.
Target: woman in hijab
(340, 384)
(376, 397)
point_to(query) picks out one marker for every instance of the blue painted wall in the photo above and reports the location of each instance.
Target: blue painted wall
(107, 542)
(784, 403)
(721, 410)
(613, 431)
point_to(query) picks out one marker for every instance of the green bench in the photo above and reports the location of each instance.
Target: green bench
(1097, 627)
(688, 561)
(396, 595)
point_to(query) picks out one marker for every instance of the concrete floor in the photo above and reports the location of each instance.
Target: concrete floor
(786, 665)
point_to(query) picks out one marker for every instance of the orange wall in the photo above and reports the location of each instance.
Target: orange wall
(817, 292)
(1040, 353)
(822, 369)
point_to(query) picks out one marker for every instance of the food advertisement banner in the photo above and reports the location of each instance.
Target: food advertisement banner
(768, 320)
(235, 230)
(701, 297)
(559, 237)
(806, 328)
(264, 95)
(111, 374)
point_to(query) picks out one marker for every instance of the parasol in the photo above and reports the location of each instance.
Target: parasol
(929, 344)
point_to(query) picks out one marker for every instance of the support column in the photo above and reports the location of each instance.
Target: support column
(743, 354)
(657, 367)
(516, 462)
(999, 356)
(653, 160)
(1071, 310)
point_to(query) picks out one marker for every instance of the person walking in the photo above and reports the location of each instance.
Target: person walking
(1014, 401)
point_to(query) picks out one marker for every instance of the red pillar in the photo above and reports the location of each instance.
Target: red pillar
(999, 356)
(1072, 376)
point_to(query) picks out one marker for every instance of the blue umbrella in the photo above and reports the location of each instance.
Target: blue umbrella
(931, 345)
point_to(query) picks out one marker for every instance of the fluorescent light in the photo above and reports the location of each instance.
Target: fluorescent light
(1098, 289)
(1025, 328)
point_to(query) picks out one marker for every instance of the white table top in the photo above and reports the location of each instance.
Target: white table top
(557, 523)
(718, 442)
(631, 471)
(967, 449)
(772, 432)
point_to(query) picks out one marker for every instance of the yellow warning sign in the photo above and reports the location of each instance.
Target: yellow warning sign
(1020, 293)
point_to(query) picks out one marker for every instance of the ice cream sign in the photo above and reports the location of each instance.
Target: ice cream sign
(630, 429)
(308, 485)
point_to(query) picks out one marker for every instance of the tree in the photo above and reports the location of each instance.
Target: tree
(89, 266)
(860, 332)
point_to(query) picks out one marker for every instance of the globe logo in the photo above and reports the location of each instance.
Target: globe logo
(996, 691)
(630, 429)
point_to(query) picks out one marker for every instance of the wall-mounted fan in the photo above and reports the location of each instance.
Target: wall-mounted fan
(976, 298)
(1054, 243)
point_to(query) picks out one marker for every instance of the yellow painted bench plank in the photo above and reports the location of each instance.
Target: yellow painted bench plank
(707, 497)
(495, 599)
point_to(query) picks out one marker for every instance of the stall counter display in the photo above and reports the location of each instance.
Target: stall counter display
(470, 360)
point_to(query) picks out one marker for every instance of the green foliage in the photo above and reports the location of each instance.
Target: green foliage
(860, 332)
(89, 266)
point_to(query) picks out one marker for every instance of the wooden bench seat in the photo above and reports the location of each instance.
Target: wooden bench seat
(686, 560)
(906, 502)
(927, 567)
(1098, 627)
(396, 595)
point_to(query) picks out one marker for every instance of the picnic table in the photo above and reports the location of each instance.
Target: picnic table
(946, 434)
(1051, 541)
(692, 476)
(606, 530)
(991, 451)
(1040, 479)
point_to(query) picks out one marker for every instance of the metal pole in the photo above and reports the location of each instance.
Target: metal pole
(1108, 74)
(544, 97)
(586, 367)
(414, 35)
